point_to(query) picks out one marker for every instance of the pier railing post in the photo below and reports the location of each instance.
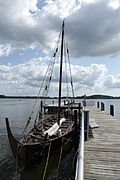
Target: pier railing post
(102, 106)
(41, 105)
(111, 110)
(76, 130)
(86, 124)
(80, 116)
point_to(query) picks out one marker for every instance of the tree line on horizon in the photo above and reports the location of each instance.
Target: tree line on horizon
(64, 97)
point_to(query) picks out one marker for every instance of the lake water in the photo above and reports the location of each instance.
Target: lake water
(18, 111)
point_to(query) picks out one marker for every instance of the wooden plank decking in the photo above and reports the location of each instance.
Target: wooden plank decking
(102, 153)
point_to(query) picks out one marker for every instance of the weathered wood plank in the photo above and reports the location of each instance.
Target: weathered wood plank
(102, 153)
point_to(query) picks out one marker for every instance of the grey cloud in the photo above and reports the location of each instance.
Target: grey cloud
(22, 30)
(93, 30)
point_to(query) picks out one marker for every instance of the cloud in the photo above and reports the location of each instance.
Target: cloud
(26, 78)
(112, 81)
(114, 4)
(93, 29)
(5, 49)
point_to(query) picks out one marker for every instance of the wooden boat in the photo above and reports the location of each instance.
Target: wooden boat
(47, 132)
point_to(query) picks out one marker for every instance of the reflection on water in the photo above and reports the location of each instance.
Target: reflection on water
(7, 169)
(17, 112)
(65, 171)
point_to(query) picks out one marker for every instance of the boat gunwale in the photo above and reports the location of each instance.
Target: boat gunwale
(49, 140)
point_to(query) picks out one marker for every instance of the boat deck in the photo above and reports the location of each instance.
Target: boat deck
(102, 153)
(37, 133)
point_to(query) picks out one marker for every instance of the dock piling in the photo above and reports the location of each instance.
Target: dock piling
(111, 110)
(102, 106)
(86, 124)
(76, 130)
(98, 105)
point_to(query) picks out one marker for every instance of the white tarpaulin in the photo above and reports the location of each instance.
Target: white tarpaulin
(54, 128)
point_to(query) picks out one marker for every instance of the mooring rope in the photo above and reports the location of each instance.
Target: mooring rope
(16, 165)
(46, 165)
(61, 150)
(68, 140)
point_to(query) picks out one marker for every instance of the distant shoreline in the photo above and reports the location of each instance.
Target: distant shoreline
(77, 97)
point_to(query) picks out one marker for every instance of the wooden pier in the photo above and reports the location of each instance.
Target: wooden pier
(102, 153)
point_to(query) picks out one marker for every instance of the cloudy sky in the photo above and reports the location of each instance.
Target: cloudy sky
(28, 32)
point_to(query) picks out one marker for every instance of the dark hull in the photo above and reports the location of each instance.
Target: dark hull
(26, 154)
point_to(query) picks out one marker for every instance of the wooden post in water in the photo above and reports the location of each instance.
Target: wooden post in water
(53, 107)
(79, 115)
(41, 110)
(41, 106)
(44, 110)
(111, 110)
(86, 124)
(76, 130)
(102, 106)
(98, 105)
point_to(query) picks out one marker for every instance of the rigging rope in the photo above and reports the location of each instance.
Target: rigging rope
(50, 69)
(68, 55)
(49, 72)
(68, 98)
(66, 69)
(44, 86)
(70, 74)
(47, 80)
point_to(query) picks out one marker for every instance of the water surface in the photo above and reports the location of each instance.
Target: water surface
(18, 111)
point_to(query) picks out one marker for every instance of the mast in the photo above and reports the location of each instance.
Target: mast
(60, 79)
